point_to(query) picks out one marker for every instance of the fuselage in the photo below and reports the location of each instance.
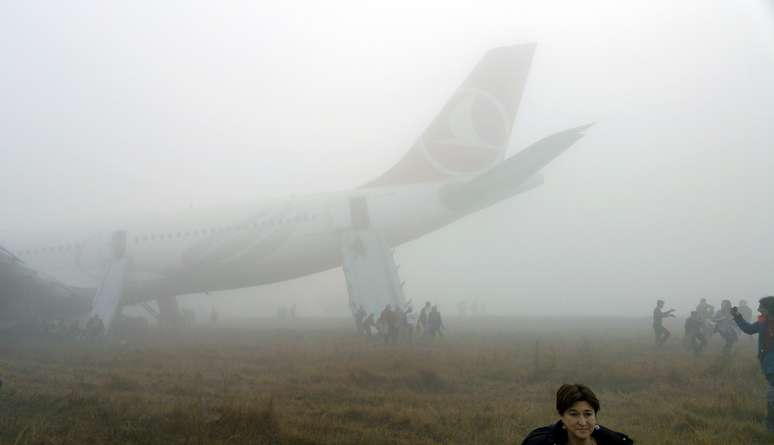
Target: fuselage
(242, 246)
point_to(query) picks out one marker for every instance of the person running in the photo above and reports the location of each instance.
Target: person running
(661, 333)
(764, 327)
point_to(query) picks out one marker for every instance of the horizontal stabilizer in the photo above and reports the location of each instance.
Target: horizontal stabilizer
(514, 175)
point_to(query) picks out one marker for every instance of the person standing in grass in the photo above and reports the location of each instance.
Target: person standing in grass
(764, 327)
(694, 335)
(436, 323)
(725, 326)
(368, 325)
(661, 333)
(389, 322)
(577, 406)
(423, 328)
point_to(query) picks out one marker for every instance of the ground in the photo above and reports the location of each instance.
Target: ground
(489, 381)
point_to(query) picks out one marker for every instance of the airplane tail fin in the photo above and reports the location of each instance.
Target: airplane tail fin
(470, 135)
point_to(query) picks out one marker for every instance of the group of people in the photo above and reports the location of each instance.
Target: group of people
(702, 324)
(400, 323)
(728, 321)
(577, 405)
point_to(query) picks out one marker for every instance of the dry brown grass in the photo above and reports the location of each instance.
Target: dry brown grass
(488, 382)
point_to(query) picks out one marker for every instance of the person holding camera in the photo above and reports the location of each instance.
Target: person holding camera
(764, 327)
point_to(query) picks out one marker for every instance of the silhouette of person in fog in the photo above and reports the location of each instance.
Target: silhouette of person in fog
(389, 319)
(368, 324)
(694, 335)
(435, 322)
(725, 326)
(661, 333)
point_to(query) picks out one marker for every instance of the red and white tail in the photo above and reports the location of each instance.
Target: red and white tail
(470, 135)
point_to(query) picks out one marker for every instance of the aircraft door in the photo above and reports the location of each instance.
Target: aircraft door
(350, 214)
(359, 214)
(96, 252)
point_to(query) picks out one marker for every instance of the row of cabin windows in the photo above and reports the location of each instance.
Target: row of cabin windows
(53, 249)
(302, 217)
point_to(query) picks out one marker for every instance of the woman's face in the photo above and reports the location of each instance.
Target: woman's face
(580, 420)
(763, 310)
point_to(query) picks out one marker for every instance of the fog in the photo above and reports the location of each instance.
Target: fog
(116, 109)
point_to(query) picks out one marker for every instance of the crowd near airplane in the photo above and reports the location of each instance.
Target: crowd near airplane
(456, 167)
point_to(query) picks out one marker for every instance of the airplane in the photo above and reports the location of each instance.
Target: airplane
(456, 167)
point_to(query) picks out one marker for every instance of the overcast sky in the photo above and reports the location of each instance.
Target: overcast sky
(116, 108)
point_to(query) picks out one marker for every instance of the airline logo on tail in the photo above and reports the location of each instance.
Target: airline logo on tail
(470, 135)
(477, 130)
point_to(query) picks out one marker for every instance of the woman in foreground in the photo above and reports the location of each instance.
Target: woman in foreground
(577, 407)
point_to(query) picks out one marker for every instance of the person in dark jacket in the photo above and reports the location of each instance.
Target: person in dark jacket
(764, 327)
(577, 407)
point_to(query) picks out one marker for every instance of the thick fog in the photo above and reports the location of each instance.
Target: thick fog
(115, 110)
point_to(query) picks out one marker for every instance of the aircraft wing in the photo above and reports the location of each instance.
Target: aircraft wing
(512, 176)
(27, 295)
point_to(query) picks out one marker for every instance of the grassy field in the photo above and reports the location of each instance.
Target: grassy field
(489, 381)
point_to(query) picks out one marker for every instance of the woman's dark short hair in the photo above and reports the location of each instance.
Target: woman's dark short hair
(768, 304)
(567, 395)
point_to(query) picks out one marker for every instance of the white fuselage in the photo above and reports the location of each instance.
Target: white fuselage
(239, 247)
